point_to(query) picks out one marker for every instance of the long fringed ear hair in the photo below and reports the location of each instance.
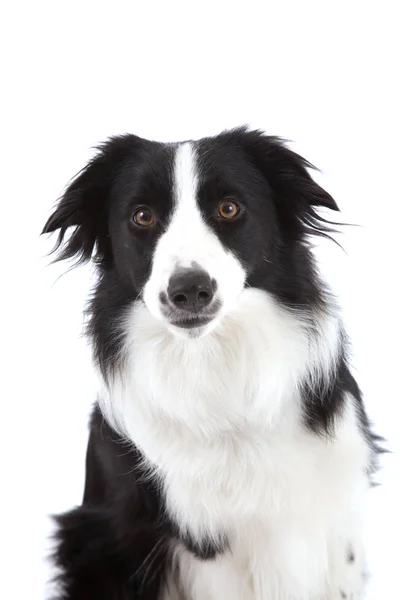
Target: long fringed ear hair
(84, 205)
(296, 194)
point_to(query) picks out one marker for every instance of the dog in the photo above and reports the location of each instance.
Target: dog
(229, 452)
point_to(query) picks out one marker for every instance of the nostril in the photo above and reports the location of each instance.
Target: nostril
(203, 296)
(180, 299)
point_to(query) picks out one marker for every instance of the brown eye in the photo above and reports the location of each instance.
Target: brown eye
(143, 217)
(228, 209)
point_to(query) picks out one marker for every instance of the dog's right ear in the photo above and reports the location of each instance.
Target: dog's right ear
(84, 205)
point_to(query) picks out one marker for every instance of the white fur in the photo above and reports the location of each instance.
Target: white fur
(219, 421)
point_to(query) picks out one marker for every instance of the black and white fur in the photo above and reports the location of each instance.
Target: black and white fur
(229, 452)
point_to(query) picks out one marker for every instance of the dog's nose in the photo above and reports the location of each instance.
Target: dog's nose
(190, 290)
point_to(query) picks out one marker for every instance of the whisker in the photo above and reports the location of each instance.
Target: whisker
(152, 555)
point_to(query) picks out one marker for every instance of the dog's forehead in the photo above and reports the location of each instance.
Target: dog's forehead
(207, 154)
(161, 171)
(158, 169)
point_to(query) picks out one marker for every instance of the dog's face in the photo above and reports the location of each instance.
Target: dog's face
(196, 270)
(187, 226)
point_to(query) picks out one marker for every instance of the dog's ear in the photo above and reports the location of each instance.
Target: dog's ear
(287, 172)
(296, 194)
(84, 205)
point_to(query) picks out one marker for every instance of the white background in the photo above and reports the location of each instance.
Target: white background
(322, 74)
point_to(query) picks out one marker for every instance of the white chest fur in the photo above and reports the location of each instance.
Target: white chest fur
(219, 419)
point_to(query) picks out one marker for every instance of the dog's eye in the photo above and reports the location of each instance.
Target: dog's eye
(143, 217)
(228, 209)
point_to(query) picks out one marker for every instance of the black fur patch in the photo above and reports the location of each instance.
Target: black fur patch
(324, 402)
(323, 405)
(206, 548)
(116, 544)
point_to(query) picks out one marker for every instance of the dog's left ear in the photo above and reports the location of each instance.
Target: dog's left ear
(287, 172)
(290, 176)
(84, 205)
(295, 194)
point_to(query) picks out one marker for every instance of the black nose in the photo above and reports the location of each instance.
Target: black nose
(190, 290)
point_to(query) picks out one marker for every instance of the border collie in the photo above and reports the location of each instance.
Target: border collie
(229, 453)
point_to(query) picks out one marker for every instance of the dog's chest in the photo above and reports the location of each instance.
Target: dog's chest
(251, 479)
(220, 420)
(231, 475)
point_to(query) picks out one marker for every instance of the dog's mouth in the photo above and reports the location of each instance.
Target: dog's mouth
(186, 320)
(191, 323)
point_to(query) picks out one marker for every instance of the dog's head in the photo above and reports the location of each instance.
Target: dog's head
(186, 227)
